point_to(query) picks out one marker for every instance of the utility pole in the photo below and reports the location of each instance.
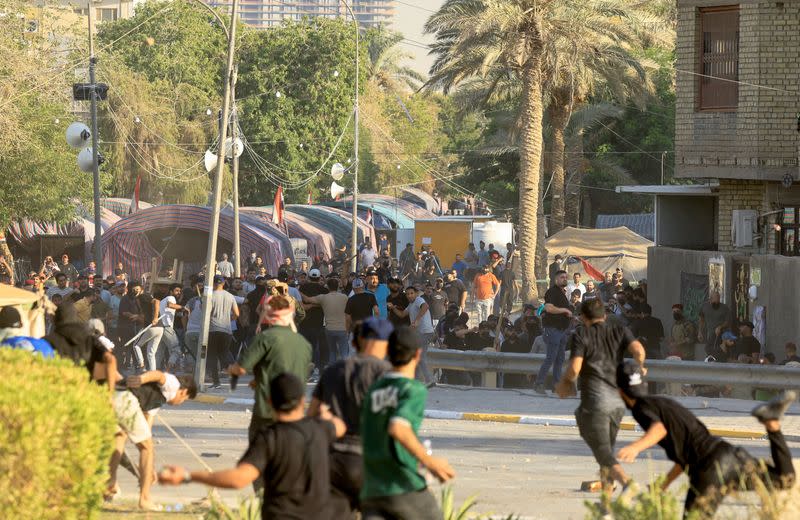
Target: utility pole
(200, 365)
(663, 158)
(237, 269)
(98, 228)
(354, 238)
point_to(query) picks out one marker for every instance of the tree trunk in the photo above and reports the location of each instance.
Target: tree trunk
(541, 234)
(573, 189)
(559, 114)
(530, 174)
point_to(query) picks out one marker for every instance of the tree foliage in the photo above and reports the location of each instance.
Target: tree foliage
(40, 178)
(295, 94)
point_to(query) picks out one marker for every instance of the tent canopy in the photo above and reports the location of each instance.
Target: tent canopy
(10, 295)
(178, 231)
(605, 249)
(121, 206)
(419, 197)
(317, 239)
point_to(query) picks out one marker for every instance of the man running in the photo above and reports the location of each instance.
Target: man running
(715, 467)
(597, 347)
(390, 418)
(342, 387)
(291, 456)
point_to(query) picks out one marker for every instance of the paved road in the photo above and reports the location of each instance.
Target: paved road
(533, 471)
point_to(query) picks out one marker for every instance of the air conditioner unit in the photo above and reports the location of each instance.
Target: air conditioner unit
(744, 226)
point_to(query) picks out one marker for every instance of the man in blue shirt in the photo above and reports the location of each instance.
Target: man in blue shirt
(459, 266)
(379, 290)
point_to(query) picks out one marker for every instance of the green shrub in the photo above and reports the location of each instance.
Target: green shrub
(56, 436)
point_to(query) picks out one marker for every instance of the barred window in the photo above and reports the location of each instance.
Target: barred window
(719, 58)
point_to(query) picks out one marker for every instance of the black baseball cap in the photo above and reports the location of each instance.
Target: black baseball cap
(10, 318)
(285, 392)
(630, 379)
(403, 350)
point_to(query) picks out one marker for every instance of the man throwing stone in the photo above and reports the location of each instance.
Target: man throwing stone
(597, 347)
(715, 467)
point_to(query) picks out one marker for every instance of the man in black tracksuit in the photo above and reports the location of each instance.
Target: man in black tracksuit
(714, 466)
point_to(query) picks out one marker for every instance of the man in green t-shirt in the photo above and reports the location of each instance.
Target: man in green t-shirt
(390, 418)
(277, 349)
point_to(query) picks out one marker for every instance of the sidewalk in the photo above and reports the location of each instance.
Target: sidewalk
(724, 417)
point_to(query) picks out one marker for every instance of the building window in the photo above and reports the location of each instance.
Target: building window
(106, 14)
(719, 58)
(790, 231)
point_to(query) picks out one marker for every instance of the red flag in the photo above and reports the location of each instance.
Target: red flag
(369, 215)
(134, 206)
(310, 200)
(591, 270)
(278, 207)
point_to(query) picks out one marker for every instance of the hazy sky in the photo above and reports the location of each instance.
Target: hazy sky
(410, 17)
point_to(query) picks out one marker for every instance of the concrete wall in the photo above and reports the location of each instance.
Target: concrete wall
(758, 139)
(778, 292)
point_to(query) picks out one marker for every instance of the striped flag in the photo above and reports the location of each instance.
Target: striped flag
(369, 216)
(278, 207)
(309, 201)
(134, 206)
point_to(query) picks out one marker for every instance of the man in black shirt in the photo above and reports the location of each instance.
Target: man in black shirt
(312, 327)
(455, 289)
(342, 387)
(715, 467)
(650, 331)
(397, 298)
(360, 306)
(291, 456)
(555, 319)
(597, 348)
(747, 344)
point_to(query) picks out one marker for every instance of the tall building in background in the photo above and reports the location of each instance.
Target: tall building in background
(263, 14)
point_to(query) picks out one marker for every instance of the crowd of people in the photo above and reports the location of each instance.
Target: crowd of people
(362, 337)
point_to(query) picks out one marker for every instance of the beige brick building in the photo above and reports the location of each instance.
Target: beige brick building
(737, 139)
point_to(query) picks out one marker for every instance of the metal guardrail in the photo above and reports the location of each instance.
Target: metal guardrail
(661, 371)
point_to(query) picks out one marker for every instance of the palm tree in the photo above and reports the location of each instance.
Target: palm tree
(476, 38)
(385, 67)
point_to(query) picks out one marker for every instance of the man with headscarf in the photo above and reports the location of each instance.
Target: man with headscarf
(714, 466)
(278, 348)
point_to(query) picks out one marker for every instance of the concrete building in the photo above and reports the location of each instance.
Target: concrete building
(104, 10)
(263, 14)
(737, 135)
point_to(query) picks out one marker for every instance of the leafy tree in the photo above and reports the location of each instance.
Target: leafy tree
(295, 95)
(164, 67)
(40, 177)
(179, 42)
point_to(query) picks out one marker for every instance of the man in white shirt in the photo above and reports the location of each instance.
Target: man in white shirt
(166, 309)
(61, 288)
(368, 256)
(419, 315)
(576, 284)
(224, 267)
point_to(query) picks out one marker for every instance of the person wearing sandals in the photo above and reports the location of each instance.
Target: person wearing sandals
(714, 466)
(135, 407)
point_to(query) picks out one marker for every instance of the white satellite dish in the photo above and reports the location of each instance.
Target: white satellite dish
(337, 171)
(336, 190)
(86, 160)
(237, 148)
(210, 161)
(78, 135)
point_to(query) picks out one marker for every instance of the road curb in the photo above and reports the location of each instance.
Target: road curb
(511, 418)
(563, 422)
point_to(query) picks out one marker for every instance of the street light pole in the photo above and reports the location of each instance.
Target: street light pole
(237, 268)
(354, 235)
(200, 365)
(98, 228)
